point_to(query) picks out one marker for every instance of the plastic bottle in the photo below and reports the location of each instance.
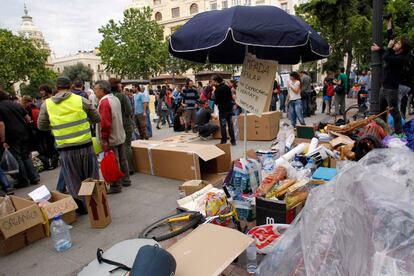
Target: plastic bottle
(237, 184)
(60, 234)
(251, 258)
(297, 164)
(311, 165)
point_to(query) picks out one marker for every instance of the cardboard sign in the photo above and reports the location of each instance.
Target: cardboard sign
(254, 91)
(196, 255)
(26, 216)
(61, 204)
(96, 202)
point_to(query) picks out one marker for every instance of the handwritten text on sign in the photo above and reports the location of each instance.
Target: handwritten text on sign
(256, 84)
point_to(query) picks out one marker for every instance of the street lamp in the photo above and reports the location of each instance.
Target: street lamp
(376, 60)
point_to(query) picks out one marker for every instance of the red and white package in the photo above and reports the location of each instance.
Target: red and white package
(267, 235)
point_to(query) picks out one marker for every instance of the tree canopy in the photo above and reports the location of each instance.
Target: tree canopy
(20, 59)
(78, 71)
(133, 47)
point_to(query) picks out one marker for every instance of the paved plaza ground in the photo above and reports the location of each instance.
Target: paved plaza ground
(148, 199)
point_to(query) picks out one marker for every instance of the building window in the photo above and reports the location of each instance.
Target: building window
(236, 2)
(89, 66)
(158, 16)
(247, 2)
(224, 4)
(193, 8)
(213, 6)
(259, 2)
(58, 70)
(175, 12)
(99, 67)
(157, 2)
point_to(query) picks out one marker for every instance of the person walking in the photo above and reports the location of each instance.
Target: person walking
(190, 98)
(140, 113)
(294, 101)
(110, 131)
(14, 136)
(306, 90)
(341, 90)
(69, 116)
(223, 98)
(116, 89)
(162, 108)
(150, 98)
(328, 93)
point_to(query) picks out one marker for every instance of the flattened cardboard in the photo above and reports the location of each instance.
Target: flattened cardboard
(97, 202)
(26, 216)
(264, 128)
(192, 186)
(195, 255)
(21, 239)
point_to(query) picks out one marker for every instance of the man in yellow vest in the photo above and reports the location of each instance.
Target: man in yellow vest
(68, 116)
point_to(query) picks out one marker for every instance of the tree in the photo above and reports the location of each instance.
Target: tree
(78, 71)
(37, 79)
(403, 16)
(346, 24)
(133, 47)
(20, 59)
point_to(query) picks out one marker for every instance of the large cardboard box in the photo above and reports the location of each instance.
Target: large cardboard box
(208, 250)
(96, 202)
(182, 161)
(264, 128)
(22, 227)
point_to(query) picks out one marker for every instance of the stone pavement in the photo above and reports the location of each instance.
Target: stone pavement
(148, 199)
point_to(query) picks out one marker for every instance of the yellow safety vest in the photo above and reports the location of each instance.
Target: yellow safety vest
(69, 122)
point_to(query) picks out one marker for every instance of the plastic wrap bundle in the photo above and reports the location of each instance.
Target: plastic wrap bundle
(360, 223)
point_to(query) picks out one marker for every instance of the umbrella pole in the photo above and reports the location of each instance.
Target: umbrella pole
(245, 133)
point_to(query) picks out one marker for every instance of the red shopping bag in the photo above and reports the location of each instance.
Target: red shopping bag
(109, 168)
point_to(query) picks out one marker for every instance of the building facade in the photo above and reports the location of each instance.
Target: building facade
(88, 58)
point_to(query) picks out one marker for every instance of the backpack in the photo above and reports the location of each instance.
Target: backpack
(330, 90)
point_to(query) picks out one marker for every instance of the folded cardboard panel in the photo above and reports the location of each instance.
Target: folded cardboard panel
(61, 204)
(196, 255)
(264, 128)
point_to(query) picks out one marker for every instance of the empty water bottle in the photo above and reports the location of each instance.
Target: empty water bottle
(297, 164)
(311, 165)
(251, 258)
(60, 234)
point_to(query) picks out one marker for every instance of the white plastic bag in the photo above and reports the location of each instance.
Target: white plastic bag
(8, 163)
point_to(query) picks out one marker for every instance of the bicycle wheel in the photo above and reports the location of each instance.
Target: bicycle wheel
(162, 230)
(353, 113)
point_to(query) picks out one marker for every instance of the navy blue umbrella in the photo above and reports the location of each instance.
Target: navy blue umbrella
(265, 31)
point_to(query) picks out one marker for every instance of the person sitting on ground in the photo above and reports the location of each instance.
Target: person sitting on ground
(204, 115)
(179, 122)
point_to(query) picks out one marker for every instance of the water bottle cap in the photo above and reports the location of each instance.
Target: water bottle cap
(57, 217)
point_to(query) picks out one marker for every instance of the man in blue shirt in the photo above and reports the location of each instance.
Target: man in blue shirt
(190, 99)
(140, 113)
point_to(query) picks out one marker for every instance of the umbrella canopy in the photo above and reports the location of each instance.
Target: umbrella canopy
(266, 31)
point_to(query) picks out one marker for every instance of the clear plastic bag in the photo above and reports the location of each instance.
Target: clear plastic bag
(6, 207)
(360, 223)
(8, 163)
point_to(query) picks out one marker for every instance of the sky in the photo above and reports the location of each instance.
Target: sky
(67, 25)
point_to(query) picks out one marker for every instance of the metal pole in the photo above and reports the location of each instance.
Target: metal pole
(245, 133)
(376, 61)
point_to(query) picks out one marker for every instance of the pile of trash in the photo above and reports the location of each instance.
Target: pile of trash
(359, 223)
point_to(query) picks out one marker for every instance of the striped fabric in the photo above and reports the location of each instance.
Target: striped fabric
(78, 165)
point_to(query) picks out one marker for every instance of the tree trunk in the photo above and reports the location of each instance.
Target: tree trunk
(349, 61)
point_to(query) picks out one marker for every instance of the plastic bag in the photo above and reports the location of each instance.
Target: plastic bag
(8, 163)
(110, 168)
(360, 223)
(269, 181)
(217, 204)
(266, 236)
(6, 207)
